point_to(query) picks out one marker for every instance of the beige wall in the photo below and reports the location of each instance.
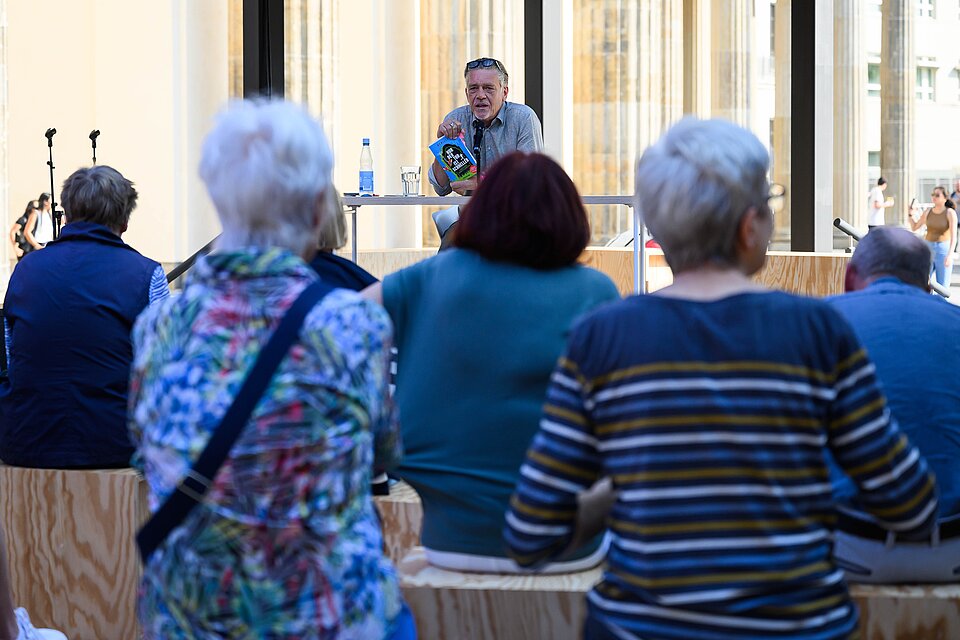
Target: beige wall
(149, 75)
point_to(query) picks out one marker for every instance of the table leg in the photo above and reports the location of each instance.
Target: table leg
(353, 234)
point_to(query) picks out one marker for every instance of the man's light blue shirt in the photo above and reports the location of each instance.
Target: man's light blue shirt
(914, 340)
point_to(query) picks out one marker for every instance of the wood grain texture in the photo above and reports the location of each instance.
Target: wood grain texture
(908, 612)
(401, 516)
(450, 605)
(811, 274)
(70, 542)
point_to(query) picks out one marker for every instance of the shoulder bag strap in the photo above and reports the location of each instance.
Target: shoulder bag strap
(194, 485)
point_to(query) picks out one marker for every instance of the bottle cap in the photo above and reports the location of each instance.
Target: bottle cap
(366, 141)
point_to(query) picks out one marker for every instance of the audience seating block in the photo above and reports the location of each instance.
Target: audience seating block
(908, 612)
(401, 516)
(451, 605)
(70, 544)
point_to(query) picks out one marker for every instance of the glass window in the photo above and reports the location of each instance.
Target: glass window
(873, 79)
(926, 8)
(873, 159)
(955, 84)
(926, 79)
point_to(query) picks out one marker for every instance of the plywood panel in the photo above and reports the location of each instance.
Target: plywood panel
(812, 274)
(450, 605)
(908, 612)
(401, 516)
(70, 542)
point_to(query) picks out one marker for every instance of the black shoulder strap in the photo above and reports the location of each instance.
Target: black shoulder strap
(194, 485)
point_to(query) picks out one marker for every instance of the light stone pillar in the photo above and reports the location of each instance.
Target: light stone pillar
(402, 141)
(696, 57)
(783, 94)
(898, 77)
(731, 78)
(849, 91)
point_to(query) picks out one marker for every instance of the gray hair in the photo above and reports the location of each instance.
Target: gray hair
(694, 185)
(891, 251)
(498, 67)
(99, 194)
(266, 164)
(333, 234)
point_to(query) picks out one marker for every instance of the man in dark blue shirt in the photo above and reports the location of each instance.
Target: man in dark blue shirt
(68, 313)
(910, 336)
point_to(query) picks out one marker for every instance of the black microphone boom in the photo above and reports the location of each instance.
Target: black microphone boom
(49, 134)
(94, 134)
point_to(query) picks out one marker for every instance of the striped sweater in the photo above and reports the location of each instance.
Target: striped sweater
(712, 420)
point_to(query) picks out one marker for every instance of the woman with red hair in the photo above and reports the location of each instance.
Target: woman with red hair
(478, 330)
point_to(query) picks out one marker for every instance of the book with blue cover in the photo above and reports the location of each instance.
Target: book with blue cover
(455, 158)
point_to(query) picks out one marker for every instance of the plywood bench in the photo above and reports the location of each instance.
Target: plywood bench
(401, 516)
(449, 605)
(70, 542)
(476, 606)
(908, 612)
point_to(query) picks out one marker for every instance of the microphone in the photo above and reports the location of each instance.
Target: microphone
(477, 139)
(50, 133)
(93, 134)
(841, 224)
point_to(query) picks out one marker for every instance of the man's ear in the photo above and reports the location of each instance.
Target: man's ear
(506, 90)
(852, 280)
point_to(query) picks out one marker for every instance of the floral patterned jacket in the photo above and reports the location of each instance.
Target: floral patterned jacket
(287, 543)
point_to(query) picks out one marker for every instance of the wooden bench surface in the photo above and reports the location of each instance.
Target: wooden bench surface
(450, 605)
(70, 543)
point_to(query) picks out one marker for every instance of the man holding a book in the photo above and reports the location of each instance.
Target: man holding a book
(488, 125)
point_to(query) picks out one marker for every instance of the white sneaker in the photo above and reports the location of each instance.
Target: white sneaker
(29, 632)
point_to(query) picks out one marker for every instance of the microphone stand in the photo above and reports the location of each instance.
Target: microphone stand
(477, 143)
(55, 217)
(93, 143)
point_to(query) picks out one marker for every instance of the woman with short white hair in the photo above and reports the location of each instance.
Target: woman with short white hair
(285, 542)
(711, 405)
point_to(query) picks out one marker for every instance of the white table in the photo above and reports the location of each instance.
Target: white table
(353, 203)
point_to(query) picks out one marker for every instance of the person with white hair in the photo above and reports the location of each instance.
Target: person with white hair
(710, 406)
(285, 543)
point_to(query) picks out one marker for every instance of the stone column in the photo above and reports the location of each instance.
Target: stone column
(898, 77)
(696, 57)
(731, 78)
(783, 94)
(849, 92)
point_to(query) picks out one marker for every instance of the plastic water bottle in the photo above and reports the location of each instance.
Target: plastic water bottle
(366, 169)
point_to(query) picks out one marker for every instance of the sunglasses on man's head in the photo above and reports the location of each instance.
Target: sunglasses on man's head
(484, 63)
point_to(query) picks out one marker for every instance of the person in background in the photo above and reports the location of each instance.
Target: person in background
(941, 234)
(38, 230)
(908, 334)
(478, 330)
(332, 269)
(487, 122)
(876, 204)
(286, 543)
(67, 314)
(955, 196)
(17, 238)
(711, 405)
